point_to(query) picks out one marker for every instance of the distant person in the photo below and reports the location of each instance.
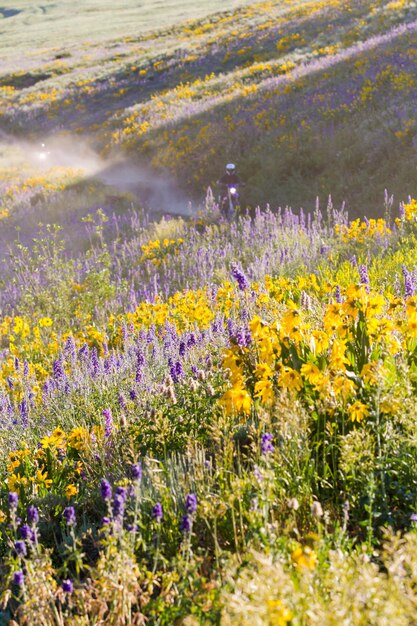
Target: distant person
(44, 153)
(229, 191)
(230, 178)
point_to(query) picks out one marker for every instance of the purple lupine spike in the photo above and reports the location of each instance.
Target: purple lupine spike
(338, 294)
(408, 282)
(363, 275)
(27, 533)
(136, 472)
(20, 547)
(33, 514)
(108, 423)
(186, 524)
(191, 503)
(179, 370)
(16, 364)
(133, 395)
(69, 515)
(13, 500)
(25, 369)
(119, 502)
(106, 491)
(140, 359)
(58, 370)
(84, 353)
(173, 370)
(267, 446)
(231, 327)
(182, 349)
(240, 277)
(191, 341)
(70, 349)
(157, 512)
(94, 362)
(122, 402)
(24, 412)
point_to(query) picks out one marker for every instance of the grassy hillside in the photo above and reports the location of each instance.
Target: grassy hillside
(310, 98)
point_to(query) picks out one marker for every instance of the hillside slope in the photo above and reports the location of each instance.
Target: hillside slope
(310, 98)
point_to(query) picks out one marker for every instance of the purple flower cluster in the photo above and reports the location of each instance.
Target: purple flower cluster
(240, 277)
(69, 516)
(267, 446)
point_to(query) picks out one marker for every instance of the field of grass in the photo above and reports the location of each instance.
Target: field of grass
(206, 422)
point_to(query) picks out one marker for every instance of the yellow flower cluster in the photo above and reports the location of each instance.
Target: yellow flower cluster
(330, 356)
(54, 465)
(363, 232)
(410, 211)
(156, 250)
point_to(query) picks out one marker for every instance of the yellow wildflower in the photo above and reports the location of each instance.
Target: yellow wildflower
(291, 379)
(304, 557)
(71, 490)
(358, 411)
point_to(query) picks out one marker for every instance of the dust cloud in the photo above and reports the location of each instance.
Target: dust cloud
(153, 191)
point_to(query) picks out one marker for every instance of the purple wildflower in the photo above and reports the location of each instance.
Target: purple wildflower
(108, 423)
(58, 370)
(157, 512)
(240, 277)
(13, 500)
(20, 548)
(186, 524)
(67, 586)
(19, 578)
(363, 274)
(119, 502)
(191, 503)
(136, 471)
(267, 446)
(69, 515)
(105, 488)
(33, 515)
(408, 282)
(105, 521)
(24, 412)
(27, 533)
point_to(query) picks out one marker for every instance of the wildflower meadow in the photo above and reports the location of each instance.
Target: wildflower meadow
(206, 421)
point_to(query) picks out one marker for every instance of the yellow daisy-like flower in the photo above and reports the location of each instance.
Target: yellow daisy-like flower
(264, 391)
(71, 490)
(291, 379)
(236, 399)
(278, 613)
(358, 411)
(304, 557)
(311, 373)
(343, 386)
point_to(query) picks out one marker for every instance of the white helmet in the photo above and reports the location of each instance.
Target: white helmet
(230, 167)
